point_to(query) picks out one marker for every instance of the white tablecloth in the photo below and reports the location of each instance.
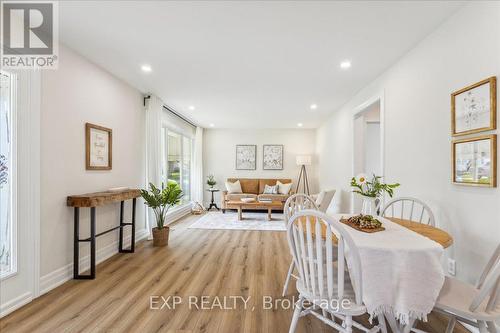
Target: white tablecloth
(401, 271)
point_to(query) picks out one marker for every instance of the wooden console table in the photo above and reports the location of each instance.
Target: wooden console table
(92, 200)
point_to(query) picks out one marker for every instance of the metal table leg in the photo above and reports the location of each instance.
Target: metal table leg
(93, 237)
(92, 242)
(76, 245)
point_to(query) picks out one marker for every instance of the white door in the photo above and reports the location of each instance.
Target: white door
(19, 186)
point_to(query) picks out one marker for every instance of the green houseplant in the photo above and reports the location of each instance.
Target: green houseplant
(211, 181)
(160, 200)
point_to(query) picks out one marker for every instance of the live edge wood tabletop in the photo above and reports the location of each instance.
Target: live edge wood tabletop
(93, 200)
(101, 198)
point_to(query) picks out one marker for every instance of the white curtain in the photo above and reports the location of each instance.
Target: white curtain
(154, 110)
(197, 170)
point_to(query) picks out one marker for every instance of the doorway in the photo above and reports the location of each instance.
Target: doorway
(19, 188)
(367, 143)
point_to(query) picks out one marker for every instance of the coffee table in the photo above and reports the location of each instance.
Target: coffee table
(269, 205)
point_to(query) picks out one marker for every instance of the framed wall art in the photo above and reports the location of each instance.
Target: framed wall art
(246, 157)
(98, 147)
(474, 161)
(272, 157)
(473, 109)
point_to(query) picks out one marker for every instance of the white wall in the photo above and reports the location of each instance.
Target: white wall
(372, 149)
(464, 50)
(76, 93)
(219, 149)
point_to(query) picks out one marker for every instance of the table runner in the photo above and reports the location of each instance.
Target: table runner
(401, 271)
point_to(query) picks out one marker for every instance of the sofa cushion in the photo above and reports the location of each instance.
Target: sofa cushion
(238, 196)
(274, 197)
(283, 188)
(268, 189)
(271, 182)
(247, 185)
(234, 187)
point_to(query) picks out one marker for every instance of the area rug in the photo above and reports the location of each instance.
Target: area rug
(229, 221)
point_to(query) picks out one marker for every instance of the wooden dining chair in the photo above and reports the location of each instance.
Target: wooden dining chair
(294, 204)
(331, 289)
(478, 305)
(407, 208)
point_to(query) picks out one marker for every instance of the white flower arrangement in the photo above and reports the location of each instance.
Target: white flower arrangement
(373, 188)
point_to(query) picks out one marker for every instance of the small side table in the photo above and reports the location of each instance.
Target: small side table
(212, 202)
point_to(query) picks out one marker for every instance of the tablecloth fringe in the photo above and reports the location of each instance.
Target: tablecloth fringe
(402, 316)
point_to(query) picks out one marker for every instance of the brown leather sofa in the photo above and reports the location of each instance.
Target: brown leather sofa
(253, 188)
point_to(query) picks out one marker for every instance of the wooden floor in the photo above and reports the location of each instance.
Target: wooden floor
(196, 263)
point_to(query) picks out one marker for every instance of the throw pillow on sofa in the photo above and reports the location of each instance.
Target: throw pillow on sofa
(271, 189)
(234, 187)
(283, 188)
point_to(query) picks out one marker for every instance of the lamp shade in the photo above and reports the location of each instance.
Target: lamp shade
(304, 159)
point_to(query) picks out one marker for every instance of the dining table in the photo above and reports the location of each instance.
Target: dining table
(402, 272)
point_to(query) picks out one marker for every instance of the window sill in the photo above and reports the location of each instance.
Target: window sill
(5, 276)
(178, 212)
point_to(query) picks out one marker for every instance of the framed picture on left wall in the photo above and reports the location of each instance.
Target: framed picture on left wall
(98, 147)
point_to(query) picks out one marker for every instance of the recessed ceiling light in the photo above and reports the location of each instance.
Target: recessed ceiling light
(300, 124)
(146, 68)
(211, 125)
(345, 64)
(191, 107)
(314, 106)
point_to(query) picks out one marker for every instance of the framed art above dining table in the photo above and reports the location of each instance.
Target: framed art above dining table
(473, 111)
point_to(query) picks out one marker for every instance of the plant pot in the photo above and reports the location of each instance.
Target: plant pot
(160, 236)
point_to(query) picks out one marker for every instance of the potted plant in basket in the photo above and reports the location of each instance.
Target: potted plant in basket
(211, 181)
(370, 191)
(160, 200)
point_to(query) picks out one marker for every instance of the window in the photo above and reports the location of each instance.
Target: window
(7, 248)
(176, 160)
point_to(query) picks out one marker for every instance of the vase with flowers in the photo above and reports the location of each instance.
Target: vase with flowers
(371, 191)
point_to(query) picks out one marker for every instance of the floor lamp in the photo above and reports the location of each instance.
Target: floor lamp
(302, 161)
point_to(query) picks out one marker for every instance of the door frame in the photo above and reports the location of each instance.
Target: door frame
(28, 168)
(378, 97)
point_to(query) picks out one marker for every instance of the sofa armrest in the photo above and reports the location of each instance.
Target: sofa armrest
(223, 199)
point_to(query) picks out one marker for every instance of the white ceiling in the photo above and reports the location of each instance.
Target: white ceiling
(253, 63)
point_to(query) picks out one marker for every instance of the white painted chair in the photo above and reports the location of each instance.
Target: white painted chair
(294, 204)
(478, 305)
(324, 199)
(331, 289)
(409, 209)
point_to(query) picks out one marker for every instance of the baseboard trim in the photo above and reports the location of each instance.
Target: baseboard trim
(61, 275)
(15, 304)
